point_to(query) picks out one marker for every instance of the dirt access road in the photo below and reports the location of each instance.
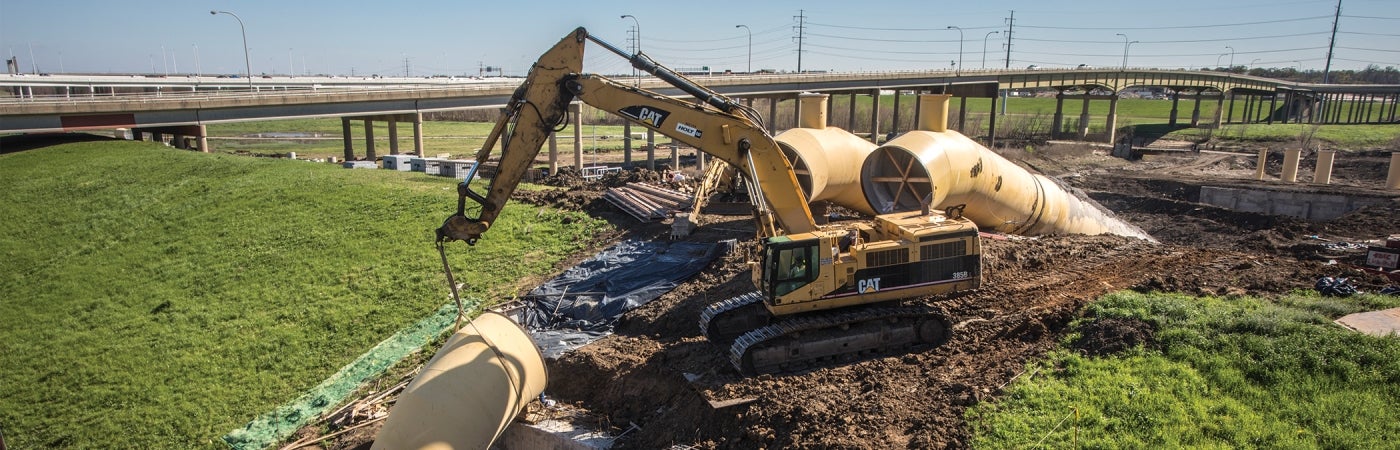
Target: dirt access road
(1033, 289)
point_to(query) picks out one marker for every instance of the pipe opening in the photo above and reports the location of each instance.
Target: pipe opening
(800, 168)
(894, 180)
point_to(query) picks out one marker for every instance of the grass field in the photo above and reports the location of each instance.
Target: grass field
(1230, 373)
(156, 298)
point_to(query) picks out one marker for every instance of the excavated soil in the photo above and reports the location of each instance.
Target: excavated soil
(659, 374)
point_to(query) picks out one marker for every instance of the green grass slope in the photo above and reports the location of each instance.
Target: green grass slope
(1226, 373)
(155, 298)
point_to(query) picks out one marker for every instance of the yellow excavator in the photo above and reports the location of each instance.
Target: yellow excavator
(823, 292)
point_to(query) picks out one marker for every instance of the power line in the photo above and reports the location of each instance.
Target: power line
(1370, 17)
(1178, 27)
(894, 29)
(1370, 49)
(880, 51)
(918, 41)
(1166, 55)
(1184, 41)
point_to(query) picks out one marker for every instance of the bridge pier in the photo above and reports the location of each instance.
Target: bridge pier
(1176, 97)
(393, 135)
(1196, 111)
(626, 143)
(1219, 104)
(179, 135)
(346, 139)
(875, 116)
(576, 111)
(1084, 118)
(369, 139)
(651, 149)
(1057, 124)
(553, 153)
(1111, 122)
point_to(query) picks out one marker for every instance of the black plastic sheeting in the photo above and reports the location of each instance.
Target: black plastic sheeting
(582, 304)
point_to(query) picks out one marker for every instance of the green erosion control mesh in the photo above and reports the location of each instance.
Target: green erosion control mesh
(275, 426)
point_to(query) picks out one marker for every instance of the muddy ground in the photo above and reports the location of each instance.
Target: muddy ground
(1032, 290)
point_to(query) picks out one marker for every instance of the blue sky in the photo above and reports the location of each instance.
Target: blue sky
(458, 37)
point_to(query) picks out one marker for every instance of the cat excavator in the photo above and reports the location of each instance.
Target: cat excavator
(822, 292)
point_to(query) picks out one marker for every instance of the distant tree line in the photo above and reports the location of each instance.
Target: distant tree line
(1372, 74)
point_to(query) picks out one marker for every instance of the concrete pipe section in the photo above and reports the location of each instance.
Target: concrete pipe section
(949, 169)
(470, 391)
(826, 160)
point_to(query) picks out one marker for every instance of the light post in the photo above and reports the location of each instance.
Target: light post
(1299, 65)
(1232, 58)
(638, 37)
(198, 70)
(1126, 45)
(984, 47)
(1251, 64)
(248, 65)
(1217, 58)
(639, 29)
(746, 28)
(960, 46)
(291, 70)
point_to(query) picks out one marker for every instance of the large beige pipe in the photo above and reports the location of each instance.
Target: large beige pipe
(470, 391)
(952, 170)
(826, 159)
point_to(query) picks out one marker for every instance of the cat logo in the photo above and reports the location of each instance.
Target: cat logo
(646, 115)
(868, 286)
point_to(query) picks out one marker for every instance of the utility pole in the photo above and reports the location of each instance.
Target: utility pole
(1010, 26)
(1327, 71)
(801, 26)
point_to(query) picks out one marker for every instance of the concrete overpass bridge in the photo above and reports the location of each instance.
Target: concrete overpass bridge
(183, 106)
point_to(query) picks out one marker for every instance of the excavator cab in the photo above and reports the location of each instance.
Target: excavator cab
(788, 265)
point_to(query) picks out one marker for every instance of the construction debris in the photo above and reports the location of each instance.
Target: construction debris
(648, 202)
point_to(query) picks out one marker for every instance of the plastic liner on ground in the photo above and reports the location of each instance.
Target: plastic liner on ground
(582, 304)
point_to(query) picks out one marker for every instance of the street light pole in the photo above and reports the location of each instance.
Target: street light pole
(1217, 58)
(960, 46)
(1232, 58)
(984, 47)
(638, 37)
(639, 30)
(247, 64)
(1126, 45)
(746, 28)
(291, 69)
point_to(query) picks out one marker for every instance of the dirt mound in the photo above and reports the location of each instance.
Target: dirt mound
(1108, 336)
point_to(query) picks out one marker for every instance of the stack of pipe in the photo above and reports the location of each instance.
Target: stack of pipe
(647, 202)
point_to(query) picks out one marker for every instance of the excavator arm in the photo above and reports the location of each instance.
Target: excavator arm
(716, 125)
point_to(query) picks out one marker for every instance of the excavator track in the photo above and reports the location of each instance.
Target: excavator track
(800, 342)
(722, 322)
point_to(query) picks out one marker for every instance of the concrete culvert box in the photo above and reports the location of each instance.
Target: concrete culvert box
(430, 166)
(398, 162)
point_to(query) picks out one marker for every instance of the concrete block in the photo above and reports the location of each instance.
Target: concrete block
(430, 166)
(360, 165)
(456, 168)
(400, 163)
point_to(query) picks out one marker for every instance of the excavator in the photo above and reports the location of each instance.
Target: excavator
(822, 292)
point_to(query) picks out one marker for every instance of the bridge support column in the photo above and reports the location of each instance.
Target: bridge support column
(627, 143)
(773, 115)
(796, 111)
(875, 116)
(576, 111)
(1176, 97)
(418, 134)
(700, 161)
(393, 135)
(894, 127)
(1230, 114)
(347, 138)
(651, 149)
(1084, 118)
(992, 125)
(1219, 109)
(203, 139)
(1323, 173)
(962, 114)
(1273, 108)
(369, 139)
(1057, 124)
(851, 116)
(675, 156)
(1196, 111)
(1111, 122)
(553, 153)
